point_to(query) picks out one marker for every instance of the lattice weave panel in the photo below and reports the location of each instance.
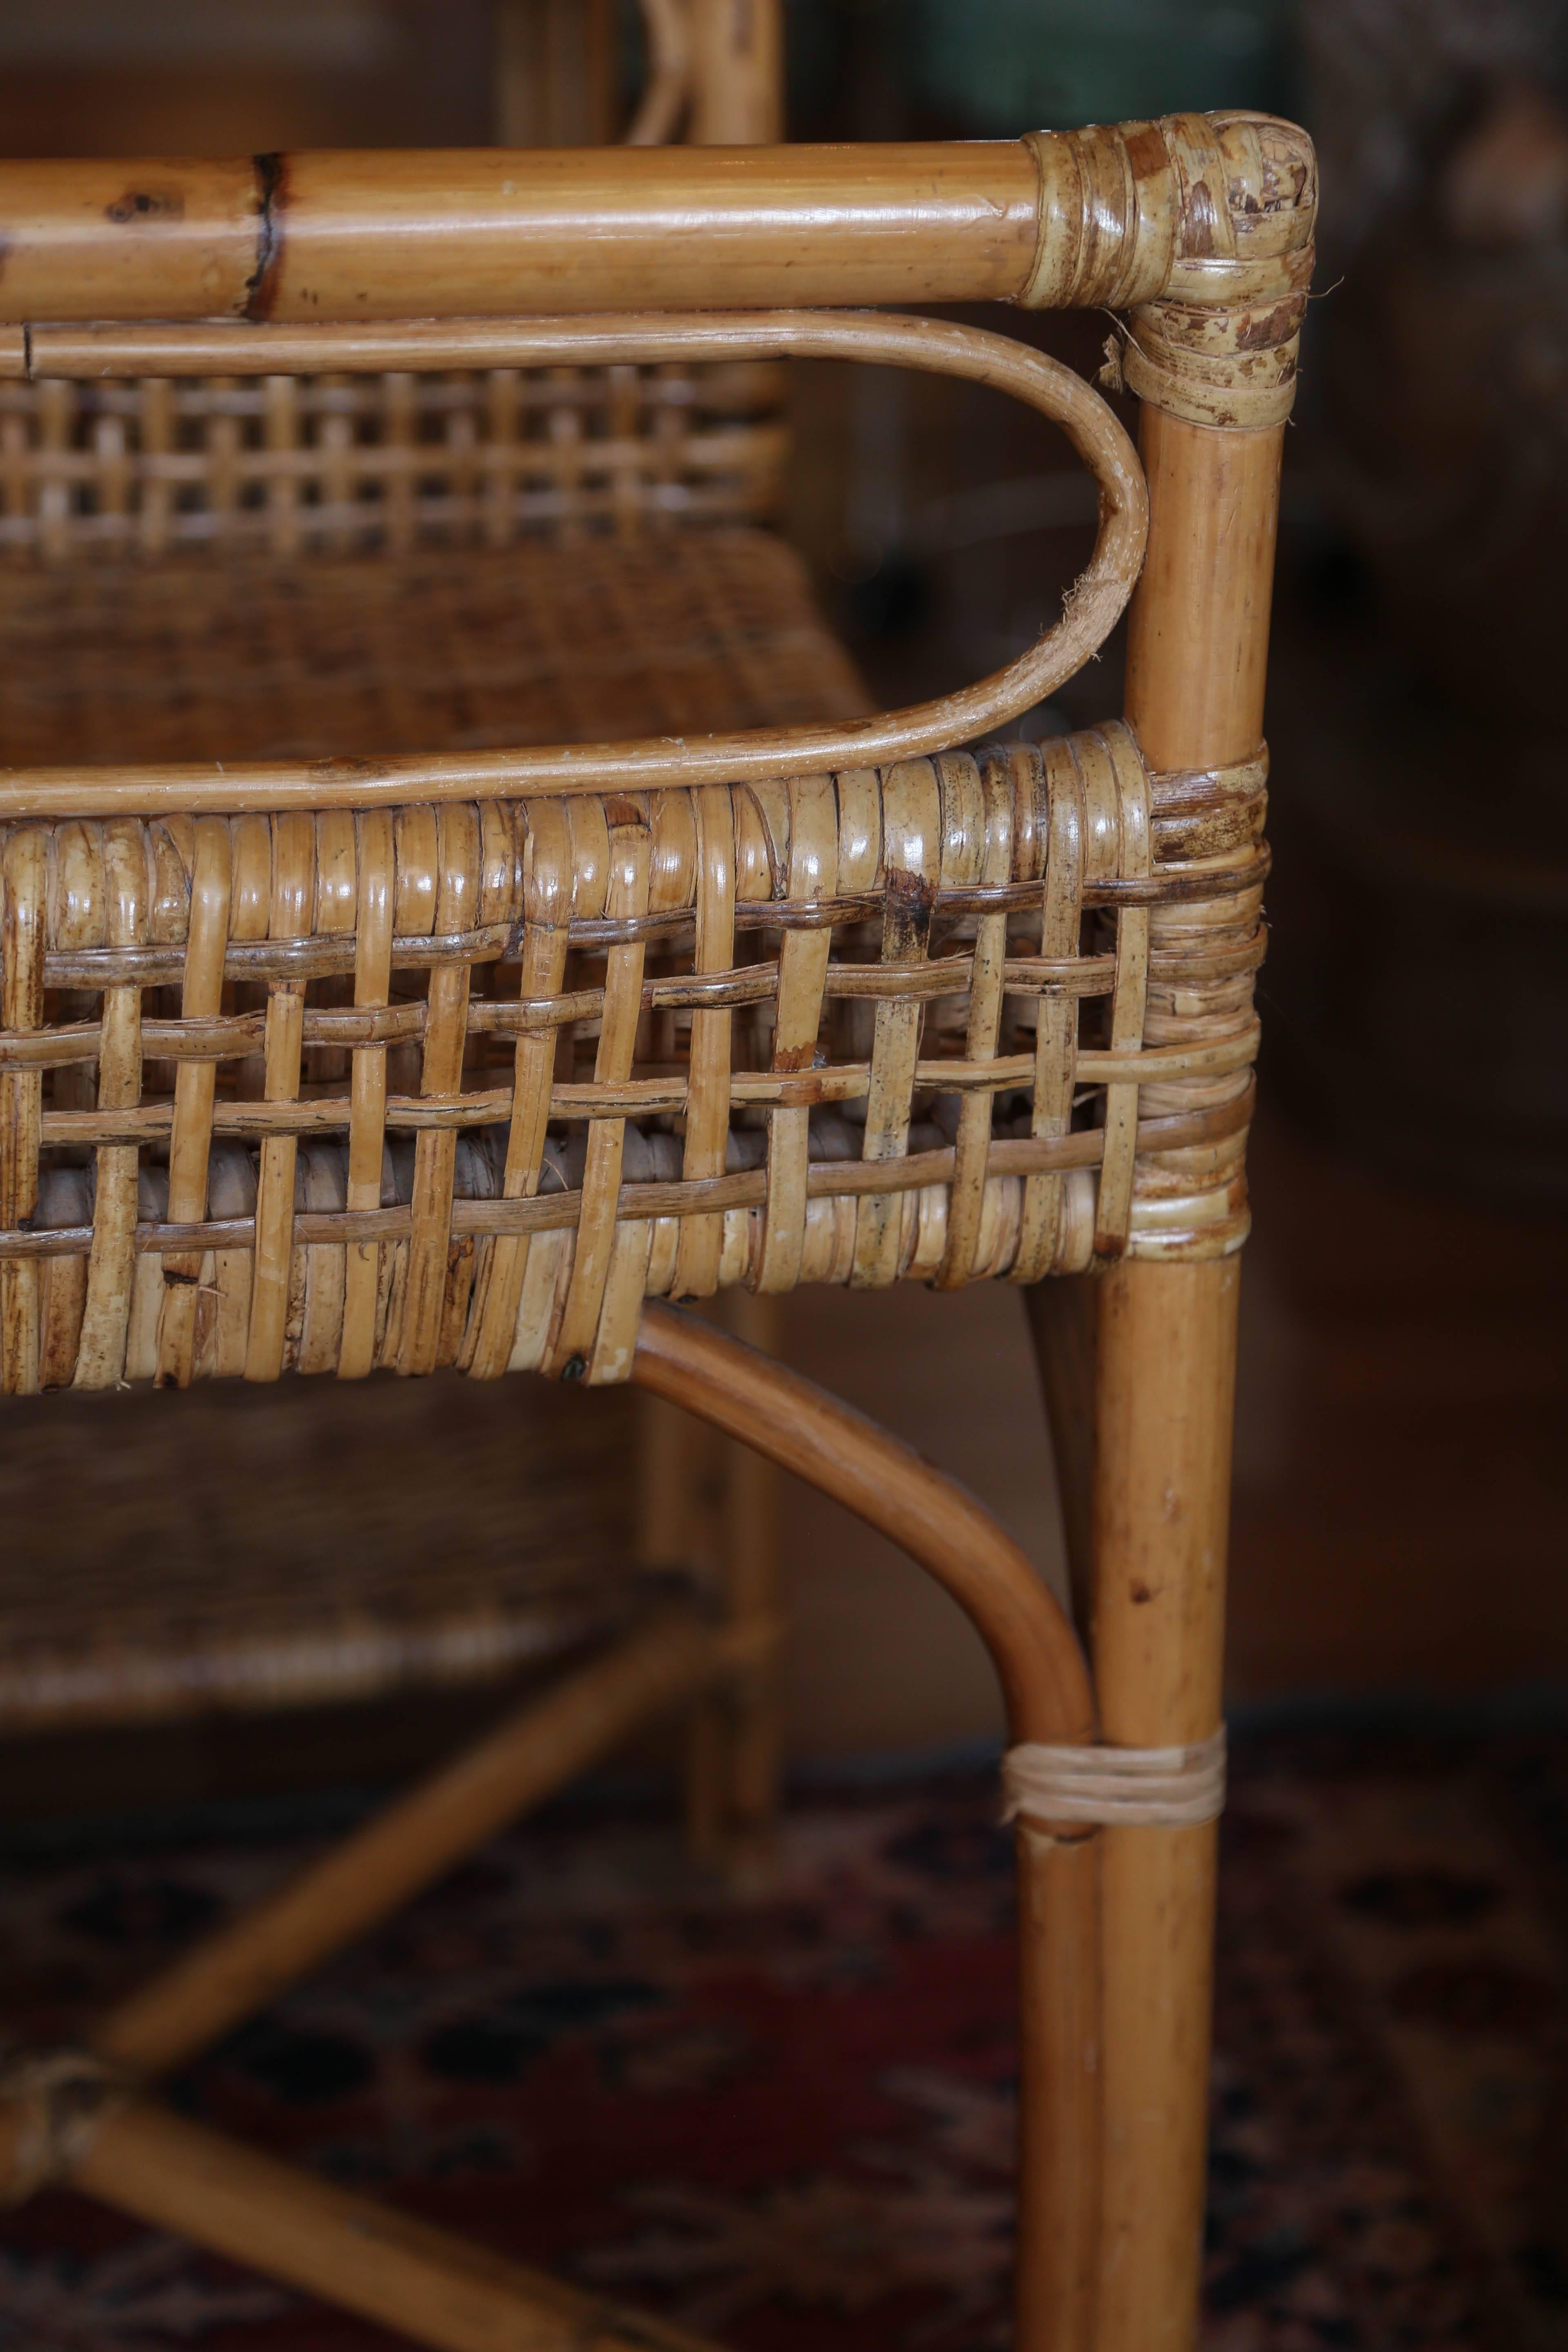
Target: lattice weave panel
(340, 464)
(463, 1084)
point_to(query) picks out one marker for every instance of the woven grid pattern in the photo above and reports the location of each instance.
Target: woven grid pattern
(343, 463)
(462, 1085)
(447, 650)
(233, 1550)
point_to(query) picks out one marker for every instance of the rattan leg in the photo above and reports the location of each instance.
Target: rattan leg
(711, 1504)
(393, 2270)
(1046, 1685)
(683, 1522)
(383, 1865)
(1063, 1314)
(1164, 1384)
(750, 1762)
(1165, 1392)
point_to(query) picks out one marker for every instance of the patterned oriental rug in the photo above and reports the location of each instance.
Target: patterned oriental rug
(788, 2118)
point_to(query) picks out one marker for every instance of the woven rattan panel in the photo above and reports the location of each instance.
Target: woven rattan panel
(232, 1551)
(220, 1562)
(390, 462)
(463, 1084)
(446, 650)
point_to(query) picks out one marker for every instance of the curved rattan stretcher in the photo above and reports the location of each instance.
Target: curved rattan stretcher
(458, 1057)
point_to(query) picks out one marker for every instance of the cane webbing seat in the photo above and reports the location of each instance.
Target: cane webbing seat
(441, 650)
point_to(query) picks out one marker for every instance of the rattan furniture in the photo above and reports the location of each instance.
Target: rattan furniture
(305, 567)
(445, 1052)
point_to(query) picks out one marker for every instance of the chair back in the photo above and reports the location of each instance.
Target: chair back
(292, 466)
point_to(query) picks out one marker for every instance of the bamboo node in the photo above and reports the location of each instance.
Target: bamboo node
(1115, 1788)
(61, 2098)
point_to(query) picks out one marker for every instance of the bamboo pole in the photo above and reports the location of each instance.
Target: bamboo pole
(555, 82)
(1046, 1686)
(715, 1503)
(361, 234)
(1164, 1393)
(1063, 1313)
(1119, 215)
(545, 1744)
(752, 1596)
(392, 2270)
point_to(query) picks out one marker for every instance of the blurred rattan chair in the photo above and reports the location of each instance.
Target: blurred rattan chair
(286, 567)
(436, 1027)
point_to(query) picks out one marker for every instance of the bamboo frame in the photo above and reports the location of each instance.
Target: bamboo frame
(1200, 229)
(1164, 1407)
(454, 234)
(178, 2177)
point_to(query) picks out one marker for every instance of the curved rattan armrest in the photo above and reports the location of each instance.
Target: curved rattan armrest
(757, 754)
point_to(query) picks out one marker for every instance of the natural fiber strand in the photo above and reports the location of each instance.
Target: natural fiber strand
(1115, 1788)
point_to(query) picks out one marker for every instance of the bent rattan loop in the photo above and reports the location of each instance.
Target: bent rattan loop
(1091, 610)
(1115, 1788)
(59, 2098)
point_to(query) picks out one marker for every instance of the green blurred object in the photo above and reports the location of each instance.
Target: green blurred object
(1055, 64)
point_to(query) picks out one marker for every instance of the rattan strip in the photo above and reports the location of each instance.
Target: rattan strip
(913, 839)
(977, 800)
(799, 984)
(1113, 1204)
(244, 1034)
(558, 1211)
(427, 1214)
(634, 1097)
(321, 957)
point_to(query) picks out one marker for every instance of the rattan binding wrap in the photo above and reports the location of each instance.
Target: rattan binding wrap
(1201, 227)
(1115, 1787)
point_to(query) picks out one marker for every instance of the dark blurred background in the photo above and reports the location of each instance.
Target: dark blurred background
(1401, 1526)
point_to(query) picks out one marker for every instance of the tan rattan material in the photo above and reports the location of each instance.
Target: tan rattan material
(402, 1057)
(404, 1541)
(341, 465)
(447, 649)
(600, 1049)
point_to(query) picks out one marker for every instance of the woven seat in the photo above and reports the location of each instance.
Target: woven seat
(447, 649)
(386, 1539)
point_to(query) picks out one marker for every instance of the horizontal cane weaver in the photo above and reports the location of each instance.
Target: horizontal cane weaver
(513, 865)
(1027, 973)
